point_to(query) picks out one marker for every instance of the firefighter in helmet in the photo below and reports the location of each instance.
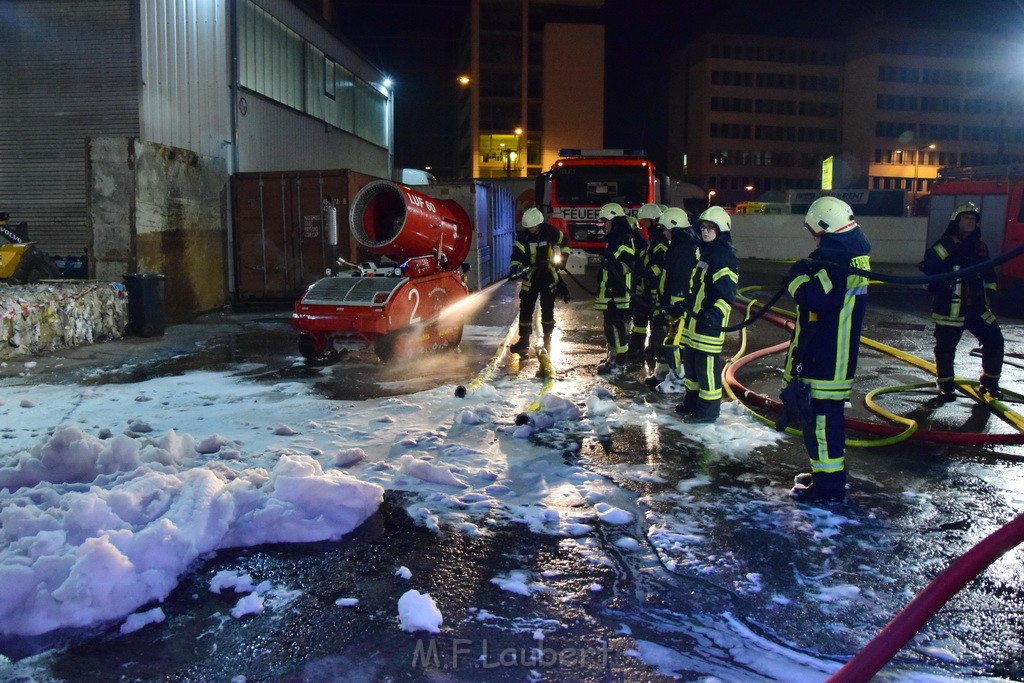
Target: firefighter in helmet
(538, 254)
(712, 293)
(650, 263)
(965, 302)
(615, 284)
(677, 264)
(830, 306)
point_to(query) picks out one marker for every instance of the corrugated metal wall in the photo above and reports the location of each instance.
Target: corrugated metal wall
(69, 71)
(186, 77)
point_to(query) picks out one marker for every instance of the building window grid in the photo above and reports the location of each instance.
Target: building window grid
(276, 62)
(892, 129)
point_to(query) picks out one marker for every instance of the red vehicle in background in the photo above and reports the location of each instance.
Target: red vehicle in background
(999, 192)
(582, 181)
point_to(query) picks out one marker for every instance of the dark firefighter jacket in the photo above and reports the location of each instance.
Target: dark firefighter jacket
(712, 293)
(680, 260)
(616, 276)
(951, 297)
(830, 314)
(537, 252)
(651, 269)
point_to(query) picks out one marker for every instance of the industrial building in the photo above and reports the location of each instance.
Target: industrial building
(124, 122)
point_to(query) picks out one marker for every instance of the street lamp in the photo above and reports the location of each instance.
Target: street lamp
(519, 147)
(917, 165)
(711, 193)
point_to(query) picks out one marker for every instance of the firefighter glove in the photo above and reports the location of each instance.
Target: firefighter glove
(677, 309)
(796, 405)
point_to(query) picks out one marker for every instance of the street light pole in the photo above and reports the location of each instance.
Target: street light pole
(711, 193)
(917, 166)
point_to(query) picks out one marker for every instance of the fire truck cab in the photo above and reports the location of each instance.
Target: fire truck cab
(581, 181)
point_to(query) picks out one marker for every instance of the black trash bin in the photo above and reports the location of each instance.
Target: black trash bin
(145, 304)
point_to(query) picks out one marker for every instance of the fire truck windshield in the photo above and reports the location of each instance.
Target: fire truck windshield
(597, 185)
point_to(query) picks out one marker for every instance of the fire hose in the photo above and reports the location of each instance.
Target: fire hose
(891, 639)
(889, 433)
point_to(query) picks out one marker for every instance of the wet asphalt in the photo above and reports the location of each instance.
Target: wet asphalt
(913, 508)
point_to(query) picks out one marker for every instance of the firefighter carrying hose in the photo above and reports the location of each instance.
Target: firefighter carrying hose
(538, 254)
(964, 303)
(822, 355)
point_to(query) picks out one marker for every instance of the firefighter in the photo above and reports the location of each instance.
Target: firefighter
(539, 253)
(678, 261)
(712, 293)
(615, 284)
(645, 284)
(823, 351)
(964, 303)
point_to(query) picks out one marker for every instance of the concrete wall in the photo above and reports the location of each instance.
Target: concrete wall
(160, 209)
(894, 239)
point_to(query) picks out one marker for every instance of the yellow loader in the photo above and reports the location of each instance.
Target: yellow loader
(21, 262)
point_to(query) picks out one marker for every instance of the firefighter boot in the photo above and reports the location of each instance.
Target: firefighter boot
(825, 487)
(522, 347)
(689, 403)
(636, 347)
(947, 392)
(609, 366)
(989, 384)
(704, 412)
(944, 371)
(652, 353)
(547, 329)
(657, 376)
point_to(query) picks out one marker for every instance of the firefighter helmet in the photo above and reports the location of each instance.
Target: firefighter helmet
(966, 207)
(718, 216)
(674, 218)
(610, 211)
(829, 214)
(663, 207)
(532, 217)
(651, 212)
(633, 222)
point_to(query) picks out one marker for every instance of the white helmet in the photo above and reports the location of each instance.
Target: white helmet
(829, 214)
(674, 218)
(651, 212)
(633, 222)
(610, 211)
(532, 217)
(966, 207)
(718, 216)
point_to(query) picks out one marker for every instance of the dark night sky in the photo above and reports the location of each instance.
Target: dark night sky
(417, 43)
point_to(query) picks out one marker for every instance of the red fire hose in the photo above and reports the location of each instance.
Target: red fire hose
(909, 621)
(865, 426)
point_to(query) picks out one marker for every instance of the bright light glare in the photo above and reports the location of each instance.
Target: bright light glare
(463, 79)
(387, 82)
(557, 258)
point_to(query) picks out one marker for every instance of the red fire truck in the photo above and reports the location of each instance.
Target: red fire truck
(582, 181)
(999, 192)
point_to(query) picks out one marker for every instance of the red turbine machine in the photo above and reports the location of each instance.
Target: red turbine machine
(396, 307)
